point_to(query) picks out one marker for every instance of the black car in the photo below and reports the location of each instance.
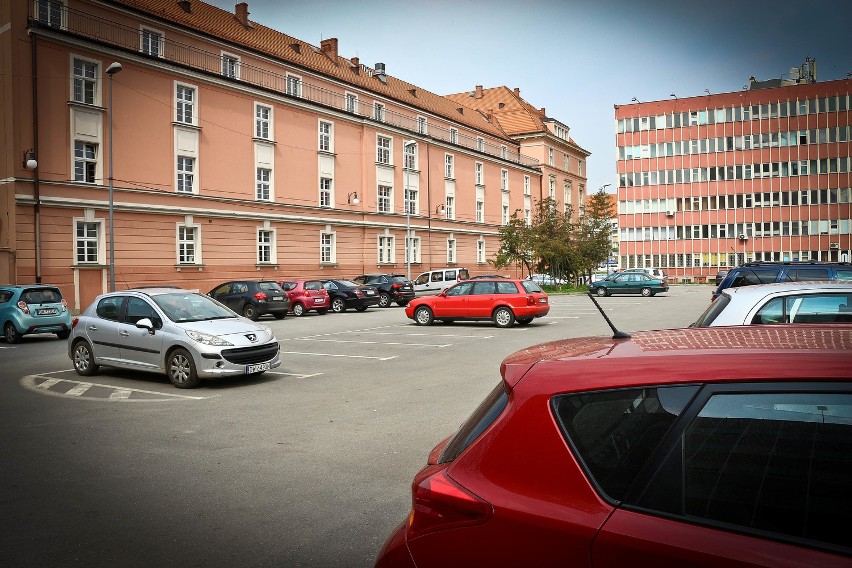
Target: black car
(253, 298)
(392, 288)
(346, 294)
(768, 272)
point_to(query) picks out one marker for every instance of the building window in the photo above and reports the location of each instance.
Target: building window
(265, 246)
(85, 161)
(480, 251)
(386, 249)
(188, 248)
(351, 101)
(551, 188)
(50, 13)
(505, 216)
(412, 251)
(504, 180)
(526, 185)
(450, 207)
(384, 199)
(480, 144)
(230, 66)
(264, 176)
(263, 121)
(550, 156)
(454, 136)
(185, 99)
(379, 112)
(185, 174)
(422, 125)
(479, 176)
(294, 85)
(449, 166)
(410, 156)
(480, 211)
(451, 250)
(325, 192)
(581, 166)
(412, 203)
(152, 42)
(325, 130)
(327, 248)
(85, 81)
(87, 242)
(383, 145)
(504, 152)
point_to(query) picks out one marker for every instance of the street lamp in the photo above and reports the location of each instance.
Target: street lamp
(405, 146)
(111, 70)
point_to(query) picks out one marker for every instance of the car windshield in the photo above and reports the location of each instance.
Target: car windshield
(347, 283)
(712, 311)
(398, 279)
(271, 286)
(189, 306)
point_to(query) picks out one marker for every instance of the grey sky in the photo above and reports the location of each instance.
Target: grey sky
(577, 58)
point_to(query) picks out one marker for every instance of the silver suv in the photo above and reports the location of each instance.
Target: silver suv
(186, 335)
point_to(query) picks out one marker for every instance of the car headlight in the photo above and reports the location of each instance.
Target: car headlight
(269, 331)
(206, 339)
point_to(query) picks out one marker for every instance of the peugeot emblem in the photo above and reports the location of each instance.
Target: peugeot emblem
(251, 337)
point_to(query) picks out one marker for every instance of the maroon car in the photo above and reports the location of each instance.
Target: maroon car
(727, 446)
(306, 295)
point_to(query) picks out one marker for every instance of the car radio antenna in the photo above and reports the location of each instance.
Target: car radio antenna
(616, 334)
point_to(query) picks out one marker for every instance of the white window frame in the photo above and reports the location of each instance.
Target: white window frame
(181, 174)
(479, 173)
(449, 166)
(480, 144)
(145, 45)
(551, 187)
(386, 253)
(504, 220)
(526, 185)
(293, 85)
(454, 135)
(326, 192)
(413, 201)
(350, 102)
(379, 111)
(266, 248)
(384, 199)
(550, 159)
(262, 124)
(182, 105)
(480, 211)
(504, 180)
(504, 152)
(383, 149)
(451, 250)
(480, 251)
(231, 65)
(89, 165)
(328, 247)
(409, 155)
(450, 207)
(325, 136)
(262, 184)
(98, 240)
(85, 80)
(412, 249)
(422, 125)
(181, 241)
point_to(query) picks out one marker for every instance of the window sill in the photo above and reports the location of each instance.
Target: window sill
(326, 153)
(264, 140)
(181, 267)
(262, 265)
(185, 125)
(384, 165)
(89, 266)
(88, 106)
(328, 265)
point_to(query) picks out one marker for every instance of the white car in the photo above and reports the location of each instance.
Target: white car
(546, 280)
(783, 302)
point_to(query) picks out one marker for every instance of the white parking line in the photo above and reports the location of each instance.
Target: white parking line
(43, 384)
(371, 342)
(81, 388)
(120, 394)
(436, 335)
(338, 355)
(48, 383)
(300, 375)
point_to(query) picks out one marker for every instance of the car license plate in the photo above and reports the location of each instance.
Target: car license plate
(542, 300)
(277, 298)
(369, 292)
(47, 312)
(257, 368)
(318, 300)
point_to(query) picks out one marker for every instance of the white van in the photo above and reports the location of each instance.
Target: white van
(434, 281)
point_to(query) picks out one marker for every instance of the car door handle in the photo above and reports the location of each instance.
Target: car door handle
(124, 333)
(93, 328)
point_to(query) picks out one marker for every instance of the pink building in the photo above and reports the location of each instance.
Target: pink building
(237, 151)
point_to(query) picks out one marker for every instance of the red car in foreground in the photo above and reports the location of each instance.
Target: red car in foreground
(500, 300)
(727, 446)
(307, 295)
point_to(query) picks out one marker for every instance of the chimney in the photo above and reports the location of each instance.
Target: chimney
(380, 73)
(517, 92)
(186, 6)
(241, 13)
(329, 47)
(542, 112)
(479, 91)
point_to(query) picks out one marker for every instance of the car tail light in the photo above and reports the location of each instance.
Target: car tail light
(439, 503)
(23, 307)
(260, 296)
(396, 286)
(74, 322)
(531, 300)
(359, 292)
(64, 304)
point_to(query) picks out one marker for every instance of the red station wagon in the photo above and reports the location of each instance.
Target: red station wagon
(306, 295)
(727, 446)
(500, 300)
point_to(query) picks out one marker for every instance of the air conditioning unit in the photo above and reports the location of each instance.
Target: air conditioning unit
(742, 237)
(670, 213)
(834, 246)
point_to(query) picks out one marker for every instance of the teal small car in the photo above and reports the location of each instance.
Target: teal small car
(33, 308)
(629, 283)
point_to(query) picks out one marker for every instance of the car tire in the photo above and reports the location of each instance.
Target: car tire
(524, 321)
(403, 303)
(84, 360)
(384, 300)
(361, 309)
(181, 369)
(63, 334)
(299, 310)
(646, 292)
(322, 312)
(338, 306)
(601, 292)
(279, 315)
(250, 312)
(423, 316)
(503, 317)
(10, 332)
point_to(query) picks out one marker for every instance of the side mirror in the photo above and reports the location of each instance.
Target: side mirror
(146, 323)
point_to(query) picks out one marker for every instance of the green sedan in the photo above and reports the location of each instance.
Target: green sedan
(629, 283)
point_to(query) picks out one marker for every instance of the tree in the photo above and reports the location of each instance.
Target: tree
(515, 244)
(593, 232)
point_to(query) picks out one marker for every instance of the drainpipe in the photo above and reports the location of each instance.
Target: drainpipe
(36, 194)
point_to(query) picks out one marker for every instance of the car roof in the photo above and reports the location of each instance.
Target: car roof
(27, 286)
(755, 291)
(706, 354)
(156, 290)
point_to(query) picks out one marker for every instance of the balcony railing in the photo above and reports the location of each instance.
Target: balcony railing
(56, 16)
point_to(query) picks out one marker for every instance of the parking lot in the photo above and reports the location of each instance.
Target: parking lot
(306, 465)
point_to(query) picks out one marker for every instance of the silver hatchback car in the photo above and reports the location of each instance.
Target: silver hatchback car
(186, 335)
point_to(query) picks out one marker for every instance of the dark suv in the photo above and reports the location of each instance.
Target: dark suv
(253, 298)
(768, 272)
(392, 288)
